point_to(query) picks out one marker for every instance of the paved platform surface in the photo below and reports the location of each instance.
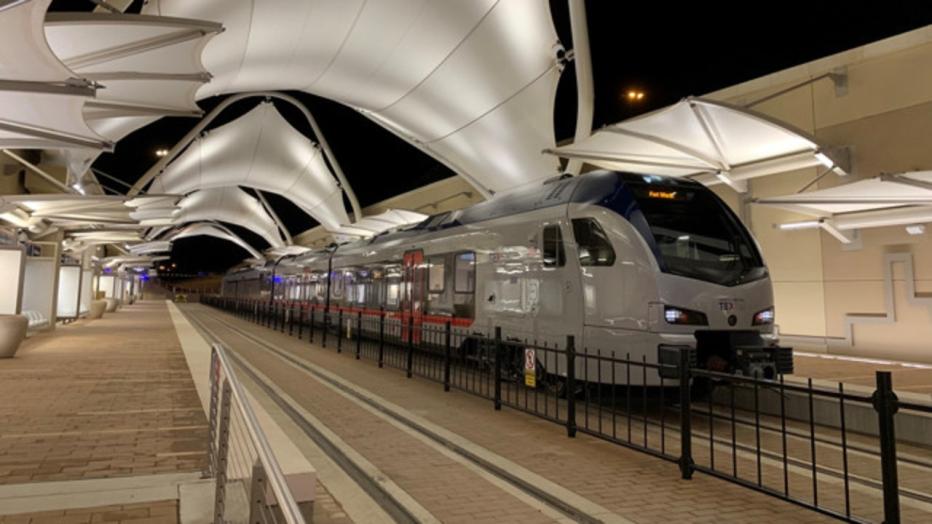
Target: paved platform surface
(100, 398)
(908, 377)
(163, 512)
(632, 485)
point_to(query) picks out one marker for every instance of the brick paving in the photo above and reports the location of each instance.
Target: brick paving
(906, 377)
(447, 489)
(100, 398)
(633, 484)
(163, 512)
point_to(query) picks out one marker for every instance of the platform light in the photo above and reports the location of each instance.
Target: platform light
(634, 95)
(161, 152)
(824, 160)
(77, 187)
(916, 229)
(804, 224)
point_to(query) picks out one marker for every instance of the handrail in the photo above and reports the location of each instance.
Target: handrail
(287, 504)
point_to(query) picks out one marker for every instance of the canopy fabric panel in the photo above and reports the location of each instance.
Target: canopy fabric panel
(375, 224)
(471, 83)
(149, 248)
(864, 195)
(80, 210)
(259, 150)
(697, 136)
(232, 205)
(133, 261)
(216, 231)
(41, 99)
(148, 66)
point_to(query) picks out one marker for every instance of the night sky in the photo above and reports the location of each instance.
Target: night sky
(663, 48)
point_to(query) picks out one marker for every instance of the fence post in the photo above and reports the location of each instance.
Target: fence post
(214, 406)
(300, 321)
(886, 404)
(257, 502)
(446, 356)
(381, 335)
(570, 386)
(283, 314)
(358, 334)
(323, 330)
(686, 437)
(409, 365)
(291, 321)
(340, 331)
(498, 368)
(222, 452)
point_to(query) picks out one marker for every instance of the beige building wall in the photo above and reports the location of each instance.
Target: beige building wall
(836, 296)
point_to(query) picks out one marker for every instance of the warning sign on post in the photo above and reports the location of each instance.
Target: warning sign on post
(530, 368)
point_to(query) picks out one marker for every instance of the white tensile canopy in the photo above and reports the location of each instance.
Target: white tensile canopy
(232, 205)
(700, 137)
(887, 200)
(147, 66)
(83, 211)
(259, 150)
(148, 248)
(124, 262)
(41, 100)
(472, 83)
(375, 224)
(216, 231)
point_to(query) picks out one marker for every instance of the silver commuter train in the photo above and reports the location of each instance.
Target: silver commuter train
(641, 265)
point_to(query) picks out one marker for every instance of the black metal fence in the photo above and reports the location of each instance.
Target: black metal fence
(789, 440)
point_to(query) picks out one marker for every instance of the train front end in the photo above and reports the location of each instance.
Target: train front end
(714, 293)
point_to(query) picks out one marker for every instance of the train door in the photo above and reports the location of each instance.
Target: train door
(412, 305)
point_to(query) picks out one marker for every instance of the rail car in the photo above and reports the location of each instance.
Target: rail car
(641, 265)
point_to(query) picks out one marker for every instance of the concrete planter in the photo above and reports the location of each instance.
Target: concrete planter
(112, 304)
(97, 309)
(12, 333)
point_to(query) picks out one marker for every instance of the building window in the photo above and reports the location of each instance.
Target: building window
(554, 255)
(594, 246)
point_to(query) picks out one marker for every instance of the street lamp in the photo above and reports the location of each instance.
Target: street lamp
(161, 152)
(634, 95)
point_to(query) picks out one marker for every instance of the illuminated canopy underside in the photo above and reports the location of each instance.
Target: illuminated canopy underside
(888, 200)
(216, 231)
(260, 150)
(472, 83)
(148, 67)
(699, 137)
(232, 205)
(41, 100)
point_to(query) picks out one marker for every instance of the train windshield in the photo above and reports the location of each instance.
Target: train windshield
(694, 233)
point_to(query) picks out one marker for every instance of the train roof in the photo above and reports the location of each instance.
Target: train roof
(591, 187)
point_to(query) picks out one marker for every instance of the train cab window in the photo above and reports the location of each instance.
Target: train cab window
(435, 274)
(594, 247)
(554, 254)
(465, 273)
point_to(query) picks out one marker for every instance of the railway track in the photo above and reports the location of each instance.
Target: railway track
(797, 468)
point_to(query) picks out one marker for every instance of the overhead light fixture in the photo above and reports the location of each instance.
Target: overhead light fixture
(916, 229)
(804, 224)
(78, 188)
(161, 152)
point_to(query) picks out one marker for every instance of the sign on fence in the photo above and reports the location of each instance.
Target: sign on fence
(530, 368)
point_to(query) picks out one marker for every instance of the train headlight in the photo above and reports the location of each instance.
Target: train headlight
(687, 317)
(763, 318)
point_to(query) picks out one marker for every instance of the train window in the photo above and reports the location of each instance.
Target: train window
(594, 247)
(465, 276)
(435, 274)
(554, 254)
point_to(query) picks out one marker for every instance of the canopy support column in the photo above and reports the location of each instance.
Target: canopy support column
(274, 215)
(585, 93)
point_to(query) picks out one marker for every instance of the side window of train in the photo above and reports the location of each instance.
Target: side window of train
(554, 254)
(435, 274)
(465, 273)
(594, 247)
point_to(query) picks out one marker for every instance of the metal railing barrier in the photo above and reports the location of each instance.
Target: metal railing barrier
(249, 484)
